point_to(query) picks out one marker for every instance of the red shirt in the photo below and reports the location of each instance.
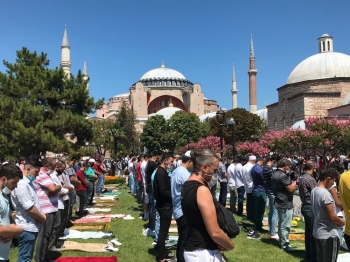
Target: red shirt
(81, 177)
(97, 168)
(138, 171)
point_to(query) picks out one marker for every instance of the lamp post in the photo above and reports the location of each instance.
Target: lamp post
(220, 116)
(188, 137)
(230, 124)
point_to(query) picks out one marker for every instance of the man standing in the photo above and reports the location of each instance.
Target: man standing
(307, 183)
(91, 178)
(145, 197)
(100, 171)
(222, 177)
(179, 177)
(47, 193)
(326, 221)
(162, 195)
(9, 177)
(239, 174)
(248, 186)
(283, 188)
(259, 193)
(28, 214)
(151, 166)
(344, 192)
(232, 184)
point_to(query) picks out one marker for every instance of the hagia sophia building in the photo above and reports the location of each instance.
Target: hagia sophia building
(318, 86)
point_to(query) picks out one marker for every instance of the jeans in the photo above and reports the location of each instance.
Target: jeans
(233, 198)
(182, 230)
(250, 206)
(44, 237)
(82, 199)
(165, 214)
(157, 227)
(327, 249)
(26, 244)
(152, 212)
(273, 214)
(100, 182)
(284, 224)
(131, 182)
(203, 255)
(310, 244)
(89, 193)
(259, 209)
(55, 229)
(136, 186)
(223, 193)
(140, 192)
(241, 192)
(347, 240)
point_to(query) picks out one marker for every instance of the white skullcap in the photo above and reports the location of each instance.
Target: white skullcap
(252, 158)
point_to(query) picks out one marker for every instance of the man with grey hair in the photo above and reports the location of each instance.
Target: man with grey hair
(283, 188)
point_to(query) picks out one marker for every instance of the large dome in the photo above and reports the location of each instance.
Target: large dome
(321, 66)
(163, 73)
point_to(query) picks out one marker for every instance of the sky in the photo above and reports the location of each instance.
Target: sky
(122, 40)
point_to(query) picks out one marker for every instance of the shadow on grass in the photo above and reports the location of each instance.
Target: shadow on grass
(298, 253)
(54, 255)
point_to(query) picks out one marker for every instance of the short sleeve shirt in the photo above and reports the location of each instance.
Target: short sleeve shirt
(221, 172)
(48, 203)
(4, 221)
(283, 198)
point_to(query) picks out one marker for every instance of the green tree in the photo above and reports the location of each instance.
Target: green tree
(102, 139)
(40, 107)
(247, 127)
(154, 133)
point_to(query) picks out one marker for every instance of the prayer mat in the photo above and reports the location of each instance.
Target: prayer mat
(173, 222)
(71, 233)
(297, 230)
(99, 201)
(91, 227)
(94, 209)
(173, 230)
(296, 237)
(107, 205)
(87, 259)
(105, 215)
(87, 247)
(104, 197)
(110, 193)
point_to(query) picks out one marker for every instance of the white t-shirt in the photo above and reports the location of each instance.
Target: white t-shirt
(337, 210)
(143, 171)
(4, 221)
(131, 168)
(239, 175)
(231, 175)
(248, 181)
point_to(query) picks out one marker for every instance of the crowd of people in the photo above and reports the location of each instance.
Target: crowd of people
(43, 193)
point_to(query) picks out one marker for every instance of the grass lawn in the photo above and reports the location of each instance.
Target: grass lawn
(136, 247)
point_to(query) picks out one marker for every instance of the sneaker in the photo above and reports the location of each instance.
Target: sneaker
(144, 232)
(289, 249)
(275, 236)
(150, 233)
(254, 236)
(250, 232)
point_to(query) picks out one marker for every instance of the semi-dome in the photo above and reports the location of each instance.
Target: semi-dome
(163, 73)
(321, 66)
(166, 112)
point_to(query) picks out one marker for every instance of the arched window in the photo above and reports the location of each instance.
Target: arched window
(284, 105)
(149, 111)
(293, 120)
(154, 110)
(103, 115)
(284, 123)
(324, 46)
(154, 104)
(329, 46)
(276, 124)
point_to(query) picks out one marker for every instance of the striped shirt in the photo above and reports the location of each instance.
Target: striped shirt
(24, 197)
(267, 174)
(48, 202)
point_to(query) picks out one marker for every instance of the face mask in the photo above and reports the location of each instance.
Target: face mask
(6, 190)
(31, 178)
(59, 172)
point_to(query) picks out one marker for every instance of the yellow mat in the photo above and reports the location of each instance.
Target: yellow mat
(91, 227)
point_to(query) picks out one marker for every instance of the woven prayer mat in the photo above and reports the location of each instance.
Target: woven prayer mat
(106, 222)
(296, 237)
(87, 259)
(105, 215)
(87, 247)
(91, 227)
(108, 204)
(99, 201)
(96, 209)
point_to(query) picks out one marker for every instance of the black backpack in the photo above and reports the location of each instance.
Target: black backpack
(226, 220)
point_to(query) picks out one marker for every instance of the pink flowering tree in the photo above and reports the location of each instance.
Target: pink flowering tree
(210, 142)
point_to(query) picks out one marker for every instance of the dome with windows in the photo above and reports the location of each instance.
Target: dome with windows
(163, 73)
(325, 64)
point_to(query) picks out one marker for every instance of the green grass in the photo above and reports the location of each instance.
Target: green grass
(136, 247)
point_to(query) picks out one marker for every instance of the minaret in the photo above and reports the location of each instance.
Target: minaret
(234, 88)
(86, 75)
(252, 79)
(65, 52)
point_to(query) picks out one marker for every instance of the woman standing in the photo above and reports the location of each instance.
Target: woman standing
(205, 238)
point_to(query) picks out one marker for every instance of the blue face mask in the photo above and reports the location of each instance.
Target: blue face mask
(31, 178)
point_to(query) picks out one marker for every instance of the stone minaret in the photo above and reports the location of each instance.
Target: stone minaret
(325, 43)
(65, 52)
(86, 75)
(252, 79)
(234, 88)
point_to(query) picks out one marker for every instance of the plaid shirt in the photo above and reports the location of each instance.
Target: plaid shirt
(306, 184)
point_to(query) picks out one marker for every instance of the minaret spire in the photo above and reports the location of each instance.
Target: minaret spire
(252, 79)
(234, 88)
(65, 53)
(86, 75)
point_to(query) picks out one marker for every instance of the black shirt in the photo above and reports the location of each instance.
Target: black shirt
(267, 174)
(151, 166)
(283, 198)
(162, 188)
(198, 236)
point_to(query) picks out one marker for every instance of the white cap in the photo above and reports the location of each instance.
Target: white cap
(188, 153)
(252, 158)
(91, 160)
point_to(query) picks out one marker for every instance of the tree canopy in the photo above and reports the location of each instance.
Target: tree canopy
(41, 107)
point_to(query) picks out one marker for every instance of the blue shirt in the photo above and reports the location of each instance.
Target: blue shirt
(179, 177)
(257, 176)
